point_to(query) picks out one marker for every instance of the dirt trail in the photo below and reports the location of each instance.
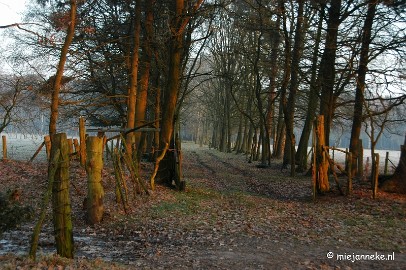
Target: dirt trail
(233, 215)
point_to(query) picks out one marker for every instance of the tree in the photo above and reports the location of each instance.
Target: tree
(327, 67)
(178, 25)
(61, 65)
(133, 81)
(301, 154)
(11, 90)
(289, 105)
(360, 86)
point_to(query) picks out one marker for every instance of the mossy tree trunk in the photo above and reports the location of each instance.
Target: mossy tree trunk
(61, 207)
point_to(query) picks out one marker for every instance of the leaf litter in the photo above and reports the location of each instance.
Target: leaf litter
(233, 215)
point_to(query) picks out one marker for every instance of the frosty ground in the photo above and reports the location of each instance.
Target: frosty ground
(233, 215)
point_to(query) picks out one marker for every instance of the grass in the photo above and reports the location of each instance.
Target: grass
(185, 203)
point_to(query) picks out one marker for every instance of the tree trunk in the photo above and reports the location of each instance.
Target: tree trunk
(327, 67)
(289, 111)
(157, 114)
(132, 87)
(270, 115)
(238, 141)
(82, 137)
(321, 170)
(280, 137)
(172, 90)
(285, 82)
(301, 154)
(361, 74)
(142, 95)
(61, 65)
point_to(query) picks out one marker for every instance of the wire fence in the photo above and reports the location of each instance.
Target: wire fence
(23, 146)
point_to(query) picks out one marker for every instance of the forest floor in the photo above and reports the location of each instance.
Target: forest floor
(233, 215)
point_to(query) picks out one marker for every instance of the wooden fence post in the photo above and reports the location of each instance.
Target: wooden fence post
(375, 175)
(60, 198)
(76, 147)
(94, 166)
(47, 141)
(70, 143)
(4, 141)
(349, 183)
(82, 138)
(386, 163)
(360, 160)
(37, 152)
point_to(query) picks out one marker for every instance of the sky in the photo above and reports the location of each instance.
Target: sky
(10, 11)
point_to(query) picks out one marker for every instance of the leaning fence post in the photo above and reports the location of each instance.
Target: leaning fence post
(386, 163)
(4, 140)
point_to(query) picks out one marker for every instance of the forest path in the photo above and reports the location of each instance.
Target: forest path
(232, 173)
(232, 215)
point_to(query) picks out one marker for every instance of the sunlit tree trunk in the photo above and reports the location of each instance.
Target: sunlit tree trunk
(60, 192)
(157, 114)
(133, 80)
(172, 90)
(60, 69)
(142, 94)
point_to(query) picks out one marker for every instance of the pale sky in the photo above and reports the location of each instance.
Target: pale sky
(10, 11)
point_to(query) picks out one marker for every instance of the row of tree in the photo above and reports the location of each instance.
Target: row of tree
(247, 74)
(275, 65)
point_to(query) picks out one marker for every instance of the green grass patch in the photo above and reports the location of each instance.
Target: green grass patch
(189, 202)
